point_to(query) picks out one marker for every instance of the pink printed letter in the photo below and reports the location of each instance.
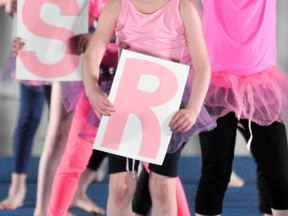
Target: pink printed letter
(129, 99)
(32, 20)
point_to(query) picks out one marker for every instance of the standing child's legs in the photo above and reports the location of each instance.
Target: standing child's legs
(73, 163)
(162, 185)
(270, 150)
(122, 185)
(142, 203)
(55, 142)
(31, 106)
(217, 148)
(81, 200)
(262, 185)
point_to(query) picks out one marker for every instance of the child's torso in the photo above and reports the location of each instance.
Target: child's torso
(159, 33)
(240, 34)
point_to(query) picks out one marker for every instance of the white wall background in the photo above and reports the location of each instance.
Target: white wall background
(9, 92)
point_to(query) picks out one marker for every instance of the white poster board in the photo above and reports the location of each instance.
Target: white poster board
(146, 92)
(46, 27)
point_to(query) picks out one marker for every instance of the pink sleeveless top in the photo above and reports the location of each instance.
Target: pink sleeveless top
(240, 34)
(163, 29)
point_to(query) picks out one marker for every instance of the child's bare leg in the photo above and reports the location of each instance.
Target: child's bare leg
(163, 194)
(121, 189)
(279, 212)
(81, 200)
(56, 138)
(16, 194)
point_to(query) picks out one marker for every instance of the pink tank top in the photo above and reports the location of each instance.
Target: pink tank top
(240, 34)
(159, 34)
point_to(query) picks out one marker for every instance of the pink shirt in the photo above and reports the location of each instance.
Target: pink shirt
(159, 34)
(240, 34)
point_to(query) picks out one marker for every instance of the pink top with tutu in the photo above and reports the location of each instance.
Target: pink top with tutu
(240, 36)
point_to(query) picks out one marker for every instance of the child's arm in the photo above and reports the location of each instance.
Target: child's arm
(184, 119)
(93, 57)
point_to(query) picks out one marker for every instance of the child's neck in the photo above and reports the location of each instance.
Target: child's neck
(149, 6)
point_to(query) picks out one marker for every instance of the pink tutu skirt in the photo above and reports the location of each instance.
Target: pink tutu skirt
(260, 97)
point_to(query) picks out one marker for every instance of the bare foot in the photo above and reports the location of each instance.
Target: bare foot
(84, 203)
(14, 200)
(235, 181)
(44, 214)
(16, 194)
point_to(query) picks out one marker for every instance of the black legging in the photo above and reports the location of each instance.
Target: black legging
(142, 202)
(262, 185)
(269, 149)
(96, 159)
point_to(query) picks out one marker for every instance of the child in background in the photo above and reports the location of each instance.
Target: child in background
(33, 95)
(247, 88)
(62, 109)
(58, 202)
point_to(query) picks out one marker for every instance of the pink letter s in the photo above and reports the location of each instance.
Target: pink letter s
(31, 18)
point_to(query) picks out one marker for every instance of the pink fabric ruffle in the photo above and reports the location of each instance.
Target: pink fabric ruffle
(260, 97)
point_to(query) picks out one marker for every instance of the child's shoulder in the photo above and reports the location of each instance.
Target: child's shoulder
(188, 6)
(115, 2)
(188, 3)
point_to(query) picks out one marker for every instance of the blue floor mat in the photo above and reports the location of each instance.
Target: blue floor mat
(238, 201)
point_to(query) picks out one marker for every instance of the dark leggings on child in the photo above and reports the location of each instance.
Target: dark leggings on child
(96, 159)
(142, 202)
(269, 149)
(32, 100)
(262, 185)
